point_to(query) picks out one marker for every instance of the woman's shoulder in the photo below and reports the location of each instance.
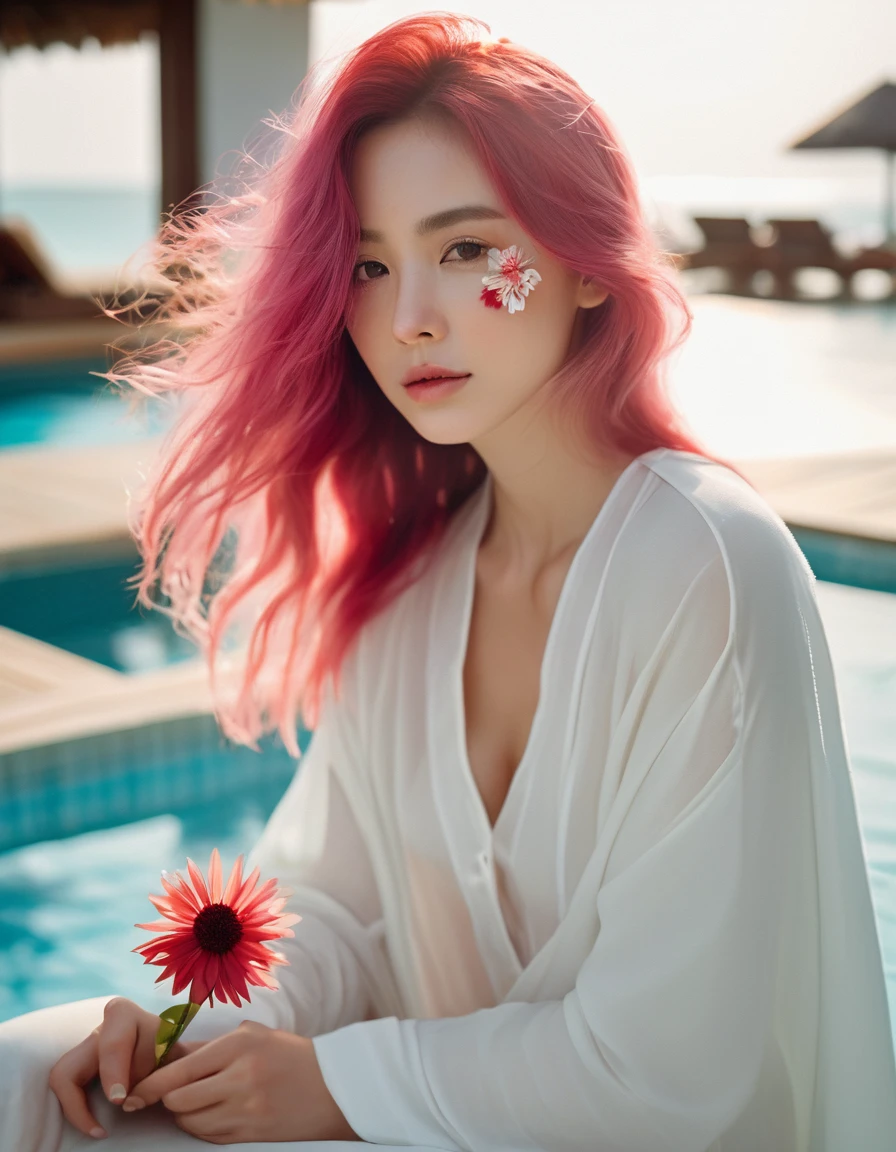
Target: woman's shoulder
(698, 491)
(702, 563)
(703, 514)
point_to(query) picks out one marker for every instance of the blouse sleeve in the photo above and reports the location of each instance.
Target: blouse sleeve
(659, 1044)
(313, 845)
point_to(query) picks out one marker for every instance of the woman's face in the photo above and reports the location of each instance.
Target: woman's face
(416, 290)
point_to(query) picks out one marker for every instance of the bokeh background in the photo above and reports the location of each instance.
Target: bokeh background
(111, 765)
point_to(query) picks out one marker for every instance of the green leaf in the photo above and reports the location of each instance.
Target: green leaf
(174, 1020)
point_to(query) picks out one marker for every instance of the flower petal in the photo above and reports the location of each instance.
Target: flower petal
(181, 980)
(181, 913)
(212, 968)
(236, 974)
(245, 892)
(234, 883)
(157, 926)
(198, 882)
(160, 941)
(199, 990)
(214, 876)
(180, 890)
(264, 893)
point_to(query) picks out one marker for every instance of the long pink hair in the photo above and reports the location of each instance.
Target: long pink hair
(291, 499)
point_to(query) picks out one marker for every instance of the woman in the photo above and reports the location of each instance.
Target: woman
(574, 844)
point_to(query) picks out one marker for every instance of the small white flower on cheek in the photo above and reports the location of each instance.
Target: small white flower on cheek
(510, 279)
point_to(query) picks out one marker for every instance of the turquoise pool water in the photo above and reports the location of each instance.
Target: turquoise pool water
(61, 403)
(68, 905)
(89, 610)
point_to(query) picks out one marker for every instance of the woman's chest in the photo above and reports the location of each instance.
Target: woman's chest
(502, 679)
(497, 885)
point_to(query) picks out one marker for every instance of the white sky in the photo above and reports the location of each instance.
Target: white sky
(695, 87)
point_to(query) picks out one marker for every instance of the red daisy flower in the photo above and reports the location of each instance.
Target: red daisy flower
(216, 941)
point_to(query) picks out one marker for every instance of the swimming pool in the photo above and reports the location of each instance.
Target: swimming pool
(68, 904)
(59, 402)
(67, 907)
(88, 608)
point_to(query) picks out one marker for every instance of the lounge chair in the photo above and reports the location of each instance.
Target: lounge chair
(807, 243)
(729, 245)
(31, 288)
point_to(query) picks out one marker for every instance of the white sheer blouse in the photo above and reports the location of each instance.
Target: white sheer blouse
(667, 940)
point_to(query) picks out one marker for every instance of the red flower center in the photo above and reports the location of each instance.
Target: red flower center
(510, 270)
(217, 928)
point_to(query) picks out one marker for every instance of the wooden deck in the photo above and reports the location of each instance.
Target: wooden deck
(56, 505)
(28, 342)
(67, 504)
(42, 703)
(849, 493)
(29, 668)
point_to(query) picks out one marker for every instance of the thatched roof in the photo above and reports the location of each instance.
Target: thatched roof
(43, 22)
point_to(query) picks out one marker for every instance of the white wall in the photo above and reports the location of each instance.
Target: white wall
(252, 58)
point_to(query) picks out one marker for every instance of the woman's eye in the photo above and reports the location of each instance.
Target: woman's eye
(480, 248)
(364, 264)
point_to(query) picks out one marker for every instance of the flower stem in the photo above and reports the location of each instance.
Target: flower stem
(174, 1022)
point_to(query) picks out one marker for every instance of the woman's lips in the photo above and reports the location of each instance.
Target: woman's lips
(437, 388)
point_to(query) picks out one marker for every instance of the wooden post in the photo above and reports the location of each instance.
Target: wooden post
(179, 105)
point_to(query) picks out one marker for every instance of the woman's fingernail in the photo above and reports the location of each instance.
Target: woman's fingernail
(117, 1092)
(97, 1132)
(133, 1103)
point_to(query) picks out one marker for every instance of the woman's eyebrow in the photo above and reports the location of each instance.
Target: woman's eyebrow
(446, 219)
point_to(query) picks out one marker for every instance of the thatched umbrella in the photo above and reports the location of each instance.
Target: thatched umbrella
(868, 123)
(44, 22)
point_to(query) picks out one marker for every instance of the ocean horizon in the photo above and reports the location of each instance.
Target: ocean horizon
(82, 227)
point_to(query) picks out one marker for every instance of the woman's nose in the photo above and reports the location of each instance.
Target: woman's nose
(417, 311)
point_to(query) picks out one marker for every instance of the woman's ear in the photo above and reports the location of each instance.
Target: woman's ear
(591, 294)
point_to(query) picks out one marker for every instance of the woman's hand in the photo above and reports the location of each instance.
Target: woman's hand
(121, 1051)
(255, 1083)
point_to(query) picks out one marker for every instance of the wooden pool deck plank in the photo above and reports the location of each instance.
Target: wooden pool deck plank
(849, 494)
(29, 342)
(88, 705)
(57, 503)
(30, 668)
